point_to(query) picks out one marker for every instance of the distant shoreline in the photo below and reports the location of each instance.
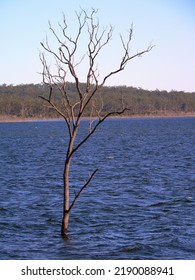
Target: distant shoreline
(14, 119)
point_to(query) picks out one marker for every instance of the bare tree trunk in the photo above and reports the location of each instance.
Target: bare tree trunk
(66, 204)
(65, 221)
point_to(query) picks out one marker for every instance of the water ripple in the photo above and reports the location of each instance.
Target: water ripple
(140, 205)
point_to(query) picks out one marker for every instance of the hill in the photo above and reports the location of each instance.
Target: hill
(23, 101)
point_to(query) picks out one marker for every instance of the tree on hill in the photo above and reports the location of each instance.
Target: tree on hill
(88, 95)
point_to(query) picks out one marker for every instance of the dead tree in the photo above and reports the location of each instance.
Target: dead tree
(72, 112)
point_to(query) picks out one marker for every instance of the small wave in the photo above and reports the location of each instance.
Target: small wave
(130, 249)
(109, 157)
(188, 199)
(160, 203)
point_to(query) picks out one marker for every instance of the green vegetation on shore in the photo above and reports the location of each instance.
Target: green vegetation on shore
(23, 101)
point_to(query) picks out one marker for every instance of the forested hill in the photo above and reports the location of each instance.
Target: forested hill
(23, 101)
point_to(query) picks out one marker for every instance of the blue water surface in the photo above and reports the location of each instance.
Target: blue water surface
(140, 205)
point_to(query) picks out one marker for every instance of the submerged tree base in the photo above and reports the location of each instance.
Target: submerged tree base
(65, 237)
(64, 228)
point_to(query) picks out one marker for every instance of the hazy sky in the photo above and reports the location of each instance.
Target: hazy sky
(168, 24)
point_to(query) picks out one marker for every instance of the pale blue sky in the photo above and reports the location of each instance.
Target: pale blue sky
(168, 24)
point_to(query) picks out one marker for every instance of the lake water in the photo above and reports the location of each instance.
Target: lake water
(140, 205)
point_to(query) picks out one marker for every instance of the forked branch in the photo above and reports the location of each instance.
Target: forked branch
(126, 57)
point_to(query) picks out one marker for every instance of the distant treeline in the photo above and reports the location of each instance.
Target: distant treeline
(24, 101)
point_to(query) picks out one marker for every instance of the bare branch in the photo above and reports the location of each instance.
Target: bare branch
(67, 49)
(126, 57)
(80, 191)
(92, 130)
(96, 43)
(66, 53)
